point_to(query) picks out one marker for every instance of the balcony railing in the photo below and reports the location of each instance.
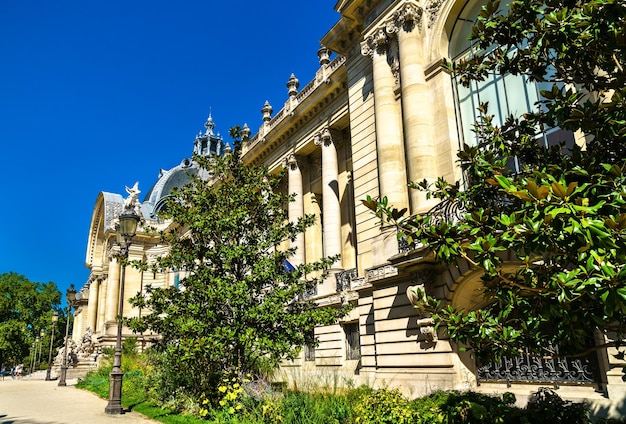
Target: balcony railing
(445, 211)
(533, 369)
(344, 279)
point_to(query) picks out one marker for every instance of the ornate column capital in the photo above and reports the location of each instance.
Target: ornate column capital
(293, 162)
(377, 42)
(408, 17)
(324, 137)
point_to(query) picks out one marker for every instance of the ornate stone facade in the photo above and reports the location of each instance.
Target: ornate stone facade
(380, 112)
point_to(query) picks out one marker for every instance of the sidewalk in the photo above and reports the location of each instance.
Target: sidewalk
(36, 401)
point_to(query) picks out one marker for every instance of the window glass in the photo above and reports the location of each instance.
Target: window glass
(353, 343)
(505, 94)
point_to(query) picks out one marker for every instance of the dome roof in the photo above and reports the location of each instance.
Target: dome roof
(168, 180)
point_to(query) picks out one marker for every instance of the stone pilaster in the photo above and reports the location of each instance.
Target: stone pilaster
(92, 308)
(389, 138)
(330, 196)
(296, 207)
(113, 293)
(419, 143)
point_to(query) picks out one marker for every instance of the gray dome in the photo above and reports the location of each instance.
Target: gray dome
(168, 180)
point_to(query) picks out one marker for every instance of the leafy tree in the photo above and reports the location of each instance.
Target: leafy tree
(25, 308)
(241, 308)
(563, 216)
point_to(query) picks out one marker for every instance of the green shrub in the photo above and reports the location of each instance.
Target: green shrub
(547, 407)
(384, 406)
(451, 407)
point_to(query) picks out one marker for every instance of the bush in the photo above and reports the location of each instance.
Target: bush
(547, 407)
(384, 406)
(453, 407)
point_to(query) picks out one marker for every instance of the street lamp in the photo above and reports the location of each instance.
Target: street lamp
(32, 368)
(55, 318)
(42, 333)
(127, 230)
(70, 297)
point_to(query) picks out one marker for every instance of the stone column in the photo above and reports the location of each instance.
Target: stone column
(113, 293)
(419, 143)
(296, 208)
(330, 196)
(389, 139)
(102, 289)
(92, 308)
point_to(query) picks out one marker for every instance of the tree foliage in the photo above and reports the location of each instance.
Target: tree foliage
(25, 308)
(241, 307)
(563, 216)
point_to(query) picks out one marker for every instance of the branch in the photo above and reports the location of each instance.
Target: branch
(508, 281)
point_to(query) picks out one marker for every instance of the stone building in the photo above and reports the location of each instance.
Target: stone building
(380, 112)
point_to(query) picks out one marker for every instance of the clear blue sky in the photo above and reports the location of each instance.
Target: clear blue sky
(95, 95)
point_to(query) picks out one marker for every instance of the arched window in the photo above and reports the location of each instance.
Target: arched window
(506, 94)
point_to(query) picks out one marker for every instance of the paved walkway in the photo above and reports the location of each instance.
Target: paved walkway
(33, 400)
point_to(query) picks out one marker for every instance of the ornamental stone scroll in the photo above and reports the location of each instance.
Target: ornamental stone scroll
(417, 297)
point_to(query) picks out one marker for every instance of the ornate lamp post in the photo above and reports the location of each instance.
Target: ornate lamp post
(55, 318)
(70, 296)
(127, 230)
(34, 362)
(42, 333)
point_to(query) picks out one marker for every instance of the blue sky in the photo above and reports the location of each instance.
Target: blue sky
(95, 95)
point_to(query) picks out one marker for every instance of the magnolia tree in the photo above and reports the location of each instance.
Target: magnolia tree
(562, 213)
(242, 306)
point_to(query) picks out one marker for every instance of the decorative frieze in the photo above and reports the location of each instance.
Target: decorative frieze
(380, 273)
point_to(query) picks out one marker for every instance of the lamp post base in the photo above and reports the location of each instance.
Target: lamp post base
(114, 407)
(48, 374)
(63, 375)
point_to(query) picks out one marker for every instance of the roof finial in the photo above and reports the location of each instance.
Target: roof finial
(209, 125)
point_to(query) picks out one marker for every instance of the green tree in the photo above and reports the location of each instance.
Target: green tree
(25, 308)
(563, 216)
(242, 307)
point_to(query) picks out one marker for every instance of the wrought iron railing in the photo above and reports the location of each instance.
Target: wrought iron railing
(310, 292)
(344, 279)
(533, 369)
(447, 210)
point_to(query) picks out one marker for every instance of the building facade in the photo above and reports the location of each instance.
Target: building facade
(379, 113)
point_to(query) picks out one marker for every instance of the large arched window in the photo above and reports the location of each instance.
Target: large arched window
(505, 94)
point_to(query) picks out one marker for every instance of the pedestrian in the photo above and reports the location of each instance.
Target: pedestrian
(2, 372)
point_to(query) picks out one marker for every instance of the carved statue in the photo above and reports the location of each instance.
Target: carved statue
(133, 196)
(87, 345)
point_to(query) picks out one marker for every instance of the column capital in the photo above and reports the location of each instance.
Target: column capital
(326, 137)
(293, 162)
(408, 17)
(377, 42)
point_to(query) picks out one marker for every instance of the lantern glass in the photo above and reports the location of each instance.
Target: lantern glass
(128, 223)
(71, 294)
